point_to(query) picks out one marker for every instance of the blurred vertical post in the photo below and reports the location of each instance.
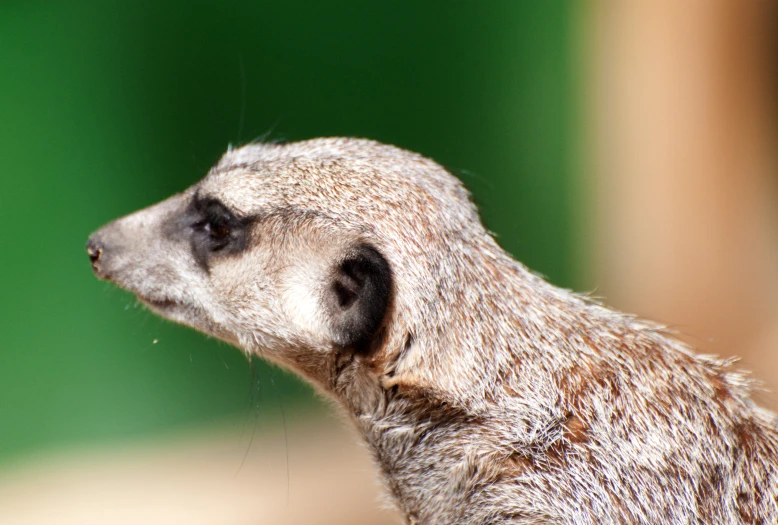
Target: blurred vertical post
(683, 115)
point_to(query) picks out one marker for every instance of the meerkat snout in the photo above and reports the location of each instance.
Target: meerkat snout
(485, 394)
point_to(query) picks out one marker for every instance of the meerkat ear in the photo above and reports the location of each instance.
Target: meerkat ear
(357, 296)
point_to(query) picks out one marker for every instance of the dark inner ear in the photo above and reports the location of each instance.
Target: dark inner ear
(358, 297)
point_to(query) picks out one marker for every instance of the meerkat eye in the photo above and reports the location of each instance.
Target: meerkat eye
(218, 228)
(215, 223)
(214, 228)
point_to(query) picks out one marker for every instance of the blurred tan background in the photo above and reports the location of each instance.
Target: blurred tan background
(624, 148)
(682, 107)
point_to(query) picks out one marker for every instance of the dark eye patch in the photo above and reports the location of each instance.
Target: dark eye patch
(215, 230)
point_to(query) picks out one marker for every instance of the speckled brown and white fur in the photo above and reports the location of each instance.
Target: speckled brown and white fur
(487, 395)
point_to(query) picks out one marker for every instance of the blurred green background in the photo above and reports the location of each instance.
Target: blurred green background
(110, 106)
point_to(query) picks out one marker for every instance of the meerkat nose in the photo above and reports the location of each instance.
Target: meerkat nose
(95, 248)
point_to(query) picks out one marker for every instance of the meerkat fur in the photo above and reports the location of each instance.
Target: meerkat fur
(485, 394)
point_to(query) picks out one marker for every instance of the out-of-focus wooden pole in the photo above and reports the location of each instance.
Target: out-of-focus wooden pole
(683, 120)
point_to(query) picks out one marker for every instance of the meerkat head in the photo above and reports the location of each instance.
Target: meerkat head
(294, 251)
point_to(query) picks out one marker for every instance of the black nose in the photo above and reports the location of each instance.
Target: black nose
(95, 250)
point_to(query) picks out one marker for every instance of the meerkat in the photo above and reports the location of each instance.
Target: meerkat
(485, 394)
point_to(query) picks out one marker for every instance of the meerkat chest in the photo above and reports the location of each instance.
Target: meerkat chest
(454, 469)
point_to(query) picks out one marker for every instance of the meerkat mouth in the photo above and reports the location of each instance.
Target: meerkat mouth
(159, 304)
(189, 315)
(172, 310)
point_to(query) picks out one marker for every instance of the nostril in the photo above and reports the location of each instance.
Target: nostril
(95, 250)
(98, 251)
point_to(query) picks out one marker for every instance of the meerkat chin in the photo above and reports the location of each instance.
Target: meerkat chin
(485, 394)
